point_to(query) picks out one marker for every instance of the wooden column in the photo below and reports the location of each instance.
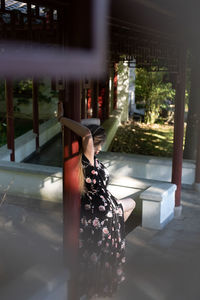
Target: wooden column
(95, 94)
(35, 113)
(191, 138)
(83, 103)
(112, 75)
(77, 19)
(71, 193)
(105, 98)
(10, 118)
(115, 87)
(179, 126)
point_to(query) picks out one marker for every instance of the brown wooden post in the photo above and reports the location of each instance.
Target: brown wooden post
(35, 113)
(179, 126)
(78, 22)
(112, 74)
(107, 99)
(95, 94)
(71, 193)
(115, 87)
(83, 103)
(10, 118)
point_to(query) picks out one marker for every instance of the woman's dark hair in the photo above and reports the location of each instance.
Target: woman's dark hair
(98, 134)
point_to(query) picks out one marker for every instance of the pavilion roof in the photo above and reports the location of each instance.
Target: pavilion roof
(152, 31)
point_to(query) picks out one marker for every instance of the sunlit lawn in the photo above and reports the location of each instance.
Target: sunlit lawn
(140, 138)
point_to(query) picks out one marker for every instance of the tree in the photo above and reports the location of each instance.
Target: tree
(151, 90)
(193, 119)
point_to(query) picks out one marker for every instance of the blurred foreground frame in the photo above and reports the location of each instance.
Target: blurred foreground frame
(22, 54)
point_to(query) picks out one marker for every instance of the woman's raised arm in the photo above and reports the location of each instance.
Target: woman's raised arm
(80, 130)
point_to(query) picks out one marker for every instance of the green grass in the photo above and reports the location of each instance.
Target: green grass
(140, 138)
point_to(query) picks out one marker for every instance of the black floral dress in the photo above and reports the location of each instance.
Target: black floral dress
(102, 237)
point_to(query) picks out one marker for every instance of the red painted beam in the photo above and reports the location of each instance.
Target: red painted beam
(95, 94)
(10, 118)
(179, 127)
(77, 20)
(115, 87)
(83, 103)
(35, 113)
(71, 193)
(106, 100)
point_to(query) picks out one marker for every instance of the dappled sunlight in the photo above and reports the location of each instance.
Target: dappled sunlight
(47, 232)
(159, 136)
(134, 241)
(141, 138)
(191, 204)
(19, 222)
(51, 188)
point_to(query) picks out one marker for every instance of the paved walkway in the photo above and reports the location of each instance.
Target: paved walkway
(161, 265)
(165, 265)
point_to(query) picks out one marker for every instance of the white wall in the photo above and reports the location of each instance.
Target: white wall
(25, 144)
(123, 90)
(28, 180)
(146, 167)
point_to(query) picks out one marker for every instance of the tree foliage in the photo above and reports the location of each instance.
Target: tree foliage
(152, 92)
(22, 91)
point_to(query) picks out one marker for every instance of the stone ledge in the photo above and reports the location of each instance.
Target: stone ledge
(30, 168)
(146, 167)
(25, 144)
(158, 192)
(31, 181)
(158, 203)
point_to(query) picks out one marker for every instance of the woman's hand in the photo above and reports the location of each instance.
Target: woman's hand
(60, 110)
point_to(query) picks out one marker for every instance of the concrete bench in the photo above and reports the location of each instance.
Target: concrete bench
(129, 187)
(158, 202)
(155, 201)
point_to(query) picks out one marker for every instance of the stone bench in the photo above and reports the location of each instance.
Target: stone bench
(158, 202)
(155, 201)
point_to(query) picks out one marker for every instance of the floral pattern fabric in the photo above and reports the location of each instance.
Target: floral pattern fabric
(101, 242)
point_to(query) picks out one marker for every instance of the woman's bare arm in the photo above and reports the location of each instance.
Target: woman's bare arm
(80, 130)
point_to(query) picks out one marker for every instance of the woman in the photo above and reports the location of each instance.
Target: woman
(102, 238)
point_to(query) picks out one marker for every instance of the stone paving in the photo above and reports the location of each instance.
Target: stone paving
(165, 265)
(161, 265)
